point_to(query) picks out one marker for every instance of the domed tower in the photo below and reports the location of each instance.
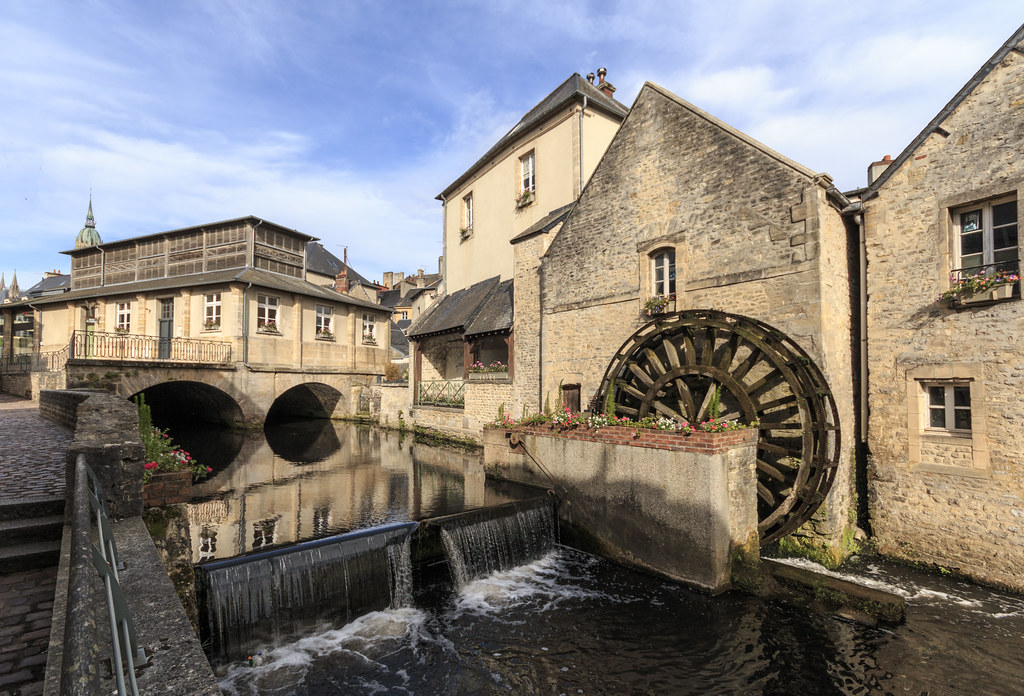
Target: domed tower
(88, 236)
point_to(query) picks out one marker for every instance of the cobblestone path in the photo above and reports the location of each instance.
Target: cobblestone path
(31, 451)
(31, 466)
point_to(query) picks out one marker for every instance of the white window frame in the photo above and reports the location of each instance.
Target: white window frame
(663, 260)
(211, 310)
(940, 399)
(324, 321)
(266, 312)
(987, 229)
(467, 211)
(369, 328)
(528, 172)
(124, 317)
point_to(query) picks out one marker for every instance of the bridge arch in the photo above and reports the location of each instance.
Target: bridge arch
(309, 400)
(216, 397)
(192, 401)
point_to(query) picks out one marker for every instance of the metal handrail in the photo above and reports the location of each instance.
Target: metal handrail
(1012, 266)
(50, 361)
(96, 345)
(90, 506)
(442, 392)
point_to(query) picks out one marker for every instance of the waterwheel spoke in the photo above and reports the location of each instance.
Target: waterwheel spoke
(728, 353)
(704, 404)
(640, 374)
(655, 362)
(789, 399)
(668, 412)
(744, 367)
(670, 353)
(764, 494)
(685, 399)
(794, 452)
(708, 350)
(770, 470)
(767, 383)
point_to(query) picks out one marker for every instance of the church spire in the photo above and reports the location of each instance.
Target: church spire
(88, 236)
(14, 292)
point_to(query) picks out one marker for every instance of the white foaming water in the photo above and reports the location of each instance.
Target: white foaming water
(362, 639)
(547, 582)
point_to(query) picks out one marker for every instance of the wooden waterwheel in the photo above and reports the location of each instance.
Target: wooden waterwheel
(672, 367)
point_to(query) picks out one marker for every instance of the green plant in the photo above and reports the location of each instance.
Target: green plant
(392, 371)
(547, 404)
(979, 282)
(657, 304)
(501, 411)
(609, 400)
(162, 456)
(715, 404)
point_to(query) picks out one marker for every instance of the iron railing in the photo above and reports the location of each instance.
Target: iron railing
(93, 345)
(90, 506)
(441, 392)
(991, 269)
(34, 362)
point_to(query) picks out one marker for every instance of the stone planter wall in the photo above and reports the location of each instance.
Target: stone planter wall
(680, 506)
(168, 489)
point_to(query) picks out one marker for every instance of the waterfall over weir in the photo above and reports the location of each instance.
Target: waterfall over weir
(498, 538)
(254, 602)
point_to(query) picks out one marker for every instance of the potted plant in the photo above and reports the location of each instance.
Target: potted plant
(465, 232)
(324, 335)
(211, 325)
(267, 327)
(659, 304)
(524, 198)
(980, 287)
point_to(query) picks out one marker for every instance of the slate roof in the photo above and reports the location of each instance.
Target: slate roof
(390, 298)
(455, 312)
(572, 89)
(398, 340)
(319, 260)
(495, 313)
(545, 223)
(55, 284)
(936, 123)
(258, 277)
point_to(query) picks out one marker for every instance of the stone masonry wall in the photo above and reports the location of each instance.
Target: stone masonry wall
(956, 506)
(754, 234)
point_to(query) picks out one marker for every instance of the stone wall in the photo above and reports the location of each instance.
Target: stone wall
(395, 404)
(956, 500)
(62, 406)
(754, 234)
(484, 399)
(673, 504)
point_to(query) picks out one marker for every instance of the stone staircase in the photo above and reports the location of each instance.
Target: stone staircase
(30, 533)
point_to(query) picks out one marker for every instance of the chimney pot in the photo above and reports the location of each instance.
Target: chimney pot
(887, 158)
(590, 78)
(601, 72)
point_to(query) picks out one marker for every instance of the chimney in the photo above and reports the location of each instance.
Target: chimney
(388, 280)
(399, 277)
(603, 84)
(341, 281)
(419, 275)
(875, 169)
(590, 77)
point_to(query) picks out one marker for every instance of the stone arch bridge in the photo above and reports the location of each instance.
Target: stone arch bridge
(231, 393)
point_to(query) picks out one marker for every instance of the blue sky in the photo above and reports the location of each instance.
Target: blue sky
(344, 119)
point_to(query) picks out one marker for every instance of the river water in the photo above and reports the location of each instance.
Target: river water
(571, 623)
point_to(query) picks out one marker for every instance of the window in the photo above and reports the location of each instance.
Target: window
(663, 272)
(124, 317)
(527, 171)
(324, 316)
(987, 237)
(211, 311)
(405, 314)
(266, 313)
(264, 533)
(467, 212)
(949, 406)
(369, 328)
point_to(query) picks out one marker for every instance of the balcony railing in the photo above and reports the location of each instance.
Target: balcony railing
(34, 362)
(442, 392)
(86, 345)
(991, 269)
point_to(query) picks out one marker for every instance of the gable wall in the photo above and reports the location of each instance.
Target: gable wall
(957, 504)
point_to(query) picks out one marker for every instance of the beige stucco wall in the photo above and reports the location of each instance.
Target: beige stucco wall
(485, 253)
(954, 501)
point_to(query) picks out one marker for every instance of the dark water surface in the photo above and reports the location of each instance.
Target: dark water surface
(568, 623)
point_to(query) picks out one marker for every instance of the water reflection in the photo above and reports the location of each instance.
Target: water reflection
(309, 479)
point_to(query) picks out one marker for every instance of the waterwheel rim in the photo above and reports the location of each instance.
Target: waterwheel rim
(670, 366)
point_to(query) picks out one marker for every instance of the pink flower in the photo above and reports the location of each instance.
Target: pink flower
(209, 469)
(152, 465)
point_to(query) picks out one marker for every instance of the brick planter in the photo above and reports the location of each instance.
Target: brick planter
(168, 489)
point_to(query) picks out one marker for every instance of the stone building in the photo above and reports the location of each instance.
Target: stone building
(686, 213)
(230, 292)
(945, 377)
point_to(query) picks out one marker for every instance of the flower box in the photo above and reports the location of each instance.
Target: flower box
(1000, 292)
(168, 489)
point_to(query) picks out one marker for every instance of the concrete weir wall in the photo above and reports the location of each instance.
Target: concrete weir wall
(676, 505)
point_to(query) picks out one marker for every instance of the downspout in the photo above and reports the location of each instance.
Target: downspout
(245, 326)
(444, 244)
(863, 279)
(580, 135)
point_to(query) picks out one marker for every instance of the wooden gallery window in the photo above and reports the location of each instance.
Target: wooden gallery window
(663, 272)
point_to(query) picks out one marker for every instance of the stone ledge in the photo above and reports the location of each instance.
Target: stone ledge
(699, 442)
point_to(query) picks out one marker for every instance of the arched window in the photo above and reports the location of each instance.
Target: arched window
(663, 272)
